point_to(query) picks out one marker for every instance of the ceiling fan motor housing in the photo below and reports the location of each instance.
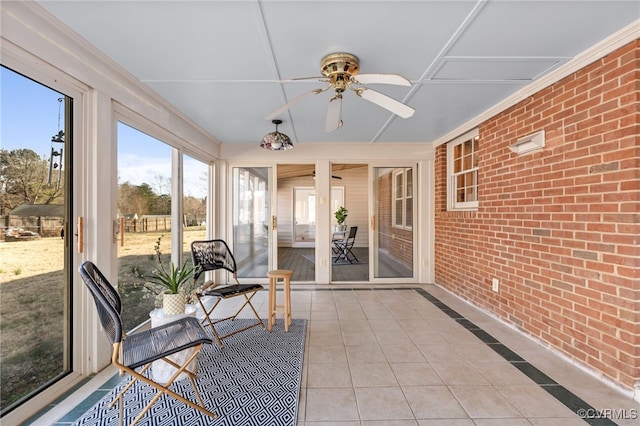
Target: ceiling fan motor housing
(340, 67)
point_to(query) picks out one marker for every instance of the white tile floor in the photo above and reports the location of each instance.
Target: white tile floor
(389, 356)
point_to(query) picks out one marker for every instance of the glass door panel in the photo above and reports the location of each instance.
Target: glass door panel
(393, 234)
(349, 256)
(144, 219)
(304, 214)
(251, 220)
(295, 209)
(35, 177)
(194, 203)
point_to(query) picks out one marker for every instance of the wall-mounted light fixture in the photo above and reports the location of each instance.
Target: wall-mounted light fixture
(276, 141)
(529, 143)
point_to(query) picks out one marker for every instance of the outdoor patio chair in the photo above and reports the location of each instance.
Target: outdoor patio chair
(133, 354)
(211, 255)
(343, 247)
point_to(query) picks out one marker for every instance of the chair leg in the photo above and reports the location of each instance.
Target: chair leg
(287, 304)
(207, 321)
(164, 389)
(349, 252)
(272, 303)
(340, 253)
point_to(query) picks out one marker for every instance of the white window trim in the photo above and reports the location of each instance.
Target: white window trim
(403, 197)
(452, 204)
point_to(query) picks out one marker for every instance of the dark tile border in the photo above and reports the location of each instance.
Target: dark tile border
(559, 392)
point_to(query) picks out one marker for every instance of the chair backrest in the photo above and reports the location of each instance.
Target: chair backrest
(352, 233)
(209, 255)
(107, 300)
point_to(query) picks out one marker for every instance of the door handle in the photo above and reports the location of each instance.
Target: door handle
(122, 231)
(274, 222)
(80, 228)
(373, 223)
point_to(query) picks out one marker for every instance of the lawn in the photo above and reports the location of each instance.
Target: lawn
(33, 297)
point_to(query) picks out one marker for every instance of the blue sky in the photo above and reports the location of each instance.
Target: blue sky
(28, 115)
(29, 118)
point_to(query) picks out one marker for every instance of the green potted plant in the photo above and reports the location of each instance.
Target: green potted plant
(341, 216)
(171, 283)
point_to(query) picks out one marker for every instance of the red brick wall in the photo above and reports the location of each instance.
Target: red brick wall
(560, 228)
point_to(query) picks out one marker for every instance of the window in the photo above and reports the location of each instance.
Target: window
(462, 171)
(403, 198)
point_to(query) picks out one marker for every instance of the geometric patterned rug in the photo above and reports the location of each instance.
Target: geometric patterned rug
(254, 380)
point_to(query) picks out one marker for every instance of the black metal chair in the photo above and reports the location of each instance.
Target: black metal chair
(133, 354)
(342, 248)
(211, 255)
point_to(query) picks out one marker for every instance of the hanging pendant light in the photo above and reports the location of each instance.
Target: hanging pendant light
(276, 141)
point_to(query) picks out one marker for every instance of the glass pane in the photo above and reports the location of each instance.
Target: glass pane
(409, 173)
(35, 303)
(467, 162)
(468, 147)
(304, 211)
(399, 192)
(144, 215)
(409, 212)
(398, 213)
(469, 179)
(457, 165)
(457, 151)
(194, 203)
(470, 194)
(251, 215)
(350, 262)
(393, 254)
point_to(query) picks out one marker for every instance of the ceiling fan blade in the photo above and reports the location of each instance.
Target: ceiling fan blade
(386, 102)
(320, 79)
(396, 79)
(334, 114)
(291, 103)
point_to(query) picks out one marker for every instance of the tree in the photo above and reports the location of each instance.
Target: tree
(140, 199)
(24, 179)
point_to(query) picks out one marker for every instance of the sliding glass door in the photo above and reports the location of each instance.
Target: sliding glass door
(393, 222)
(252, 221)
(37, 248)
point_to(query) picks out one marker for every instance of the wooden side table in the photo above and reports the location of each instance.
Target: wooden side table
(285, 276)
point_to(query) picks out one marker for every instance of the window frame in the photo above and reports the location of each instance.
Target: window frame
(452, 182)
(407, 193)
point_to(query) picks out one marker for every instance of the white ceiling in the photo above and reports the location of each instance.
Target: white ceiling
(221, 62)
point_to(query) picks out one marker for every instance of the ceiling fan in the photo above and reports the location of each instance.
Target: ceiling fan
(340, 70)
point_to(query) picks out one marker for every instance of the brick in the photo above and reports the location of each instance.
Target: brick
(562, 225)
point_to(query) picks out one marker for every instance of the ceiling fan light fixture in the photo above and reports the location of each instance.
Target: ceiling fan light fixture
(276, 141)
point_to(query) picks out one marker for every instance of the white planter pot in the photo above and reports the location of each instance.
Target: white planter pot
(173, 304)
